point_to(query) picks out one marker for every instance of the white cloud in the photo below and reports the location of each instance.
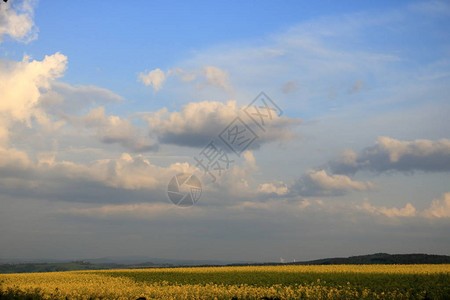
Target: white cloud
(120, 179)
(216, 77)
(16, 20)
(238, 180)
(111, 129)
(319, 183)
(278, 188)
(14, 160)
(439, 208)
(408, 211)
(21, 84)
(136, 172)
(198, 122)
(65, 98)
(154, 78)
(208, 75)
(34, 109)
(125, 172)
(391, 154)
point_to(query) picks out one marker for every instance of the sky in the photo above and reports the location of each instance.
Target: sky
(345, 152)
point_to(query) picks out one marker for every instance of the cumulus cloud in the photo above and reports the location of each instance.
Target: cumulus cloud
(35, 108)
(238, 180)
(198, 122)
(135, 172)
(277, 188)
(389, 154)
(16, 20)
(127, 178)
(195, 125)
(13, 162)
(154, 78)
(65, 98)
(319, 183)
(111, 129)
(408, 211)
(206, 76)
(91, 182)
(21, 84)
(439, 208)
(216, 77)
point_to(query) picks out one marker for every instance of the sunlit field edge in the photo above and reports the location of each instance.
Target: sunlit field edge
(243, 282)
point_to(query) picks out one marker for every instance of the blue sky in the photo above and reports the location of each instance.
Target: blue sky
(109, 43)
(102, 103)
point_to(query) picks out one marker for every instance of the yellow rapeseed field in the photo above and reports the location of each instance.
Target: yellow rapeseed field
(253, 282)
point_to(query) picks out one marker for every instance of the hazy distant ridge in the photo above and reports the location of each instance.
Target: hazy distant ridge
(110, 263)
(382, 258)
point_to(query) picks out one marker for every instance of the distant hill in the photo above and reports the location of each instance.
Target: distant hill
(111, 263)
(52, 267)
(143, 260)
(381, 258)
(371, 259)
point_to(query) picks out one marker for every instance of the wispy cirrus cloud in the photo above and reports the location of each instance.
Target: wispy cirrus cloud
(434, 8)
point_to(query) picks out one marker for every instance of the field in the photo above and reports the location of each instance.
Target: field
(253, 282)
